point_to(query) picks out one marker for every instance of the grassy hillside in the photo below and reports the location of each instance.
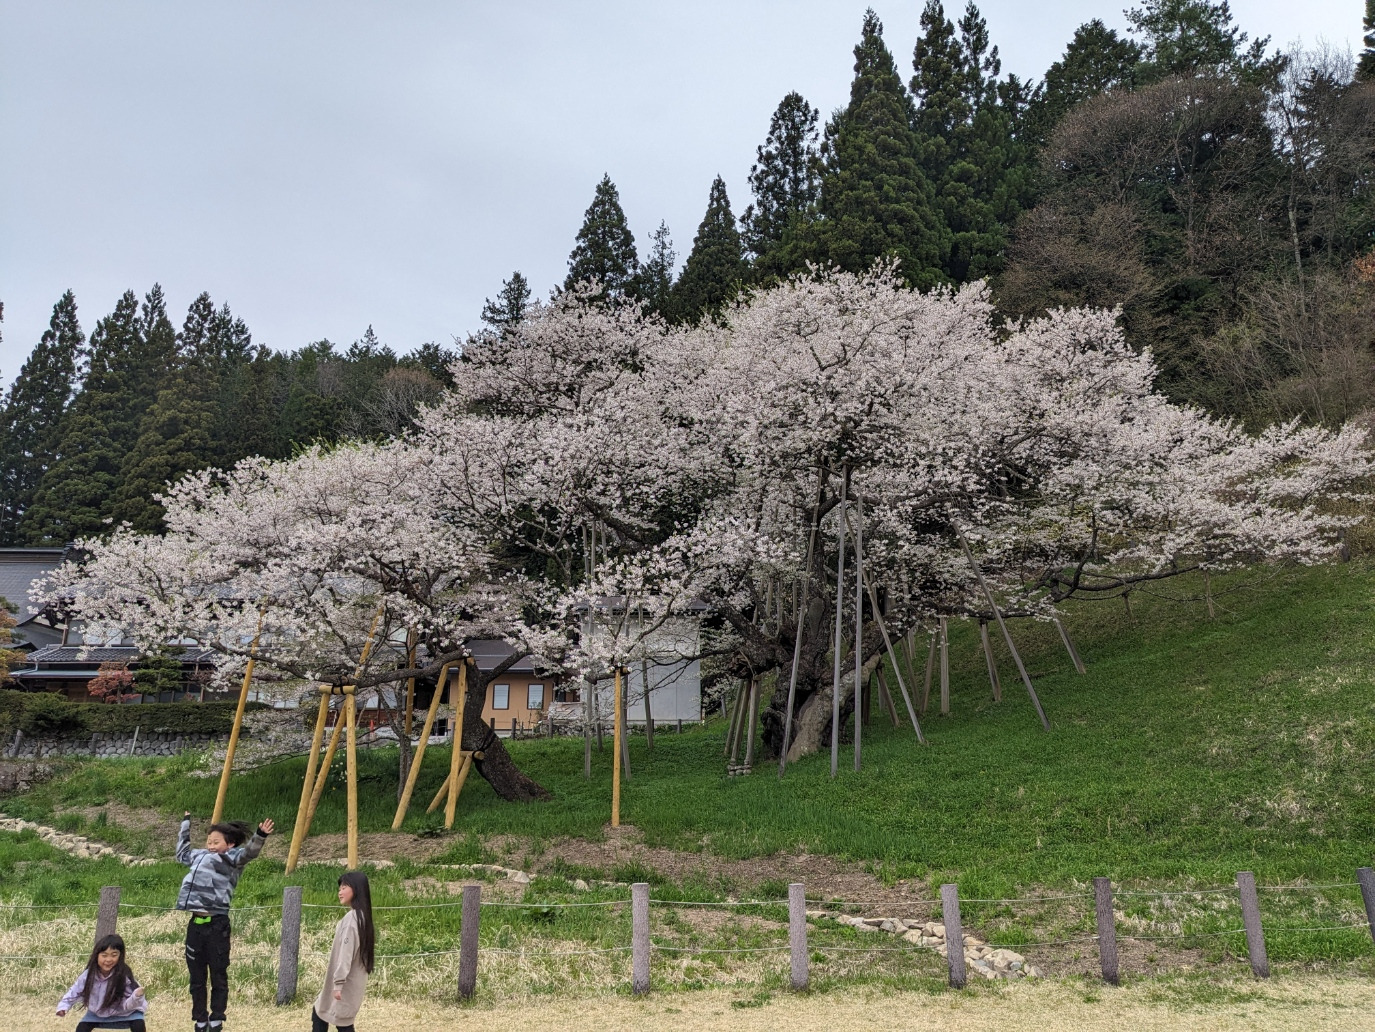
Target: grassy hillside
(1192, 748)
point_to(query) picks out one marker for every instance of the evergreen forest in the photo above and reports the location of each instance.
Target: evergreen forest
(1214, 189)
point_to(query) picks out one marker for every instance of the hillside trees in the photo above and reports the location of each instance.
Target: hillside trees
(786, 182)
(702, 455)
(605, 248)
(715, 267)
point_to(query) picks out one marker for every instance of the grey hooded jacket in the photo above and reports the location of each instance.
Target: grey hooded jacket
(209, 885)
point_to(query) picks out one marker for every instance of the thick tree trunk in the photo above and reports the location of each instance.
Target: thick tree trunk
(496, 765)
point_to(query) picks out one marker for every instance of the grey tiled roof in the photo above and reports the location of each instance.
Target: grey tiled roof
(65, 655)
(19, 568)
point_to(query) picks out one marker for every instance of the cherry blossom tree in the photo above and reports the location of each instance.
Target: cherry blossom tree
(596, 476)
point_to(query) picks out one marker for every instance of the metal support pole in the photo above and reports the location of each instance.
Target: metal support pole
(840, 607)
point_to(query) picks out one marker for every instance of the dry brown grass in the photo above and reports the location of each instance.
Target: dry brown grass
(1311, 1003)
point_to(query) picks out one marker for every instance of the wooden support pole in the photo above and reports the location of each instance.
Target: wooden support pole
(408, 722)
(1002, 626)
(859, 624)
(799, 619)
(902, 686)
(1069, 646)
(751, 718)
(455, 757)
(885, 697)
(298, 831)
(218, 812)
(441, 795)
(107, 913)
(797, 935)
(639, 938)
(289, 952)
(649, 714)
(469, 918)
(930, 668)
(351, 766)
(414, 773)
(1366, 877)
(625, 726)
(840, 608)
(1107, 929)
(954, 934)
(992, 663)
(737, 721)
(1250, 919)
(326, 761)
(589, 689)
(945, 665)
(616, 757)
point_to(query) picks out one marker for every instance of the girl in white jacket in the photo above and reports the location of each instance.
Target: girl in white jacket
(350, 959)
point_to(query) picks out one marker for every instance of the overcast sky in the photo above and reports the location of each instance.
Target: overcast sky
(326, 166)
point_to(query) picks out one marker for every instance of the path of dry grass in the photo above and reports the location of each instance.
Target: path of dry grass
(1314, 1004)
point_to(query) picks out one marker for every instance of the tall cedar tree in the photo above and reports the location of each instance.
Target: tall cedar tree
(74, 497)
(1193, 38)
(654, 285)
(177, 434)
(981, 173)
(1365, 66)
(1096, 61)
(876, 202)
(33, 409)
(508, 309)
(716, 267)
(605, 249)
(786, 181)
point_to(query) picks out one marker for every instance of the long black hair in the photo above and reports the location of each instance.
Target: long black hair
(362, 907)
(121, 978)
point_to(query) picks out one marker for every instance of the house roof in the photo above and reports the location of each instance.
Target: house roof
(68, 655)
(490, 651)
(19, 568)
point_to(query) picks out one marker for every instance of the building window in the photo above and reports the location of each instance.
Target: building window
(536, 696)
(501, 696)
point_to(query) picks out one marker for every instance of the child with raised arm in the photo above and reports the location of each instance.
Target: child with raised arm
(107, 989)
(206, 892)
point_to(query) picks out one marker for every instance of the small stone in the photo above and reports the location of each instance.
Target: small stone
(891, 926)
(580, 885)
(914, 937)
(519, 877)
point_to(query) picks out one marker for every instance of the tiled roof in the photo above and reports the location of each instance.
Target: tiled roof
(64, 655)
(19, 568)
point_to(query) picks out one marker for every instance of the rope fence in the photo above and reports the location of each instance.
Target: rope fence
(641, 946)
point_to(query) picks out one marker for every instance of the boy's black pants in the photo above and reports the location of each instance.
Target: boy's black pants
(207, 952)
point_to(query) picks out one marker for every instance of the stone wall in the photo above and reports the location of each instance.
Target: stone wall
(21, 775)
(152, 743)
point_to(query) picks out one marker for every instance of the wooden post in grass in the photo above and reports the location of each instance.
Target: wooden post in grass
(107, 914)
(326, 761)
(797, 934)
(289, 954)
(1250, 919)
(616, 756)
(930, 668)
(455, 757)
(408, 722)
(218, 812)
(414, 772)
(469, 918)
(649, 714)
(625, 726)
(639, 938)
(351, 767)
(1069, 646)
(1366, 877)
(954, 934)
(1107, 929)
(298, 831)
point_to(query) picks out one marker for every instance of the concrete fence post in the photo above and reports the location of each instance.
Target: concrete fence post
(107, 914)
(1250, 919)
(954, 934)
(797, 934)
(470, 917)
(1107, 929)
(289, 953)
(639, 938)
(1366, 877)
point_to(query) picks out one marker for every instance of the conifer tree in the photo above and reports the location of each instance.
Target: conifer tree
(75, 496)
(654, 286)
(715, 268)
(605, 248)
(980, 171)
(1195, 37)
(33, 410)
(1096, 61)
(509, 307)
(786, 180)
(1365, 65)
(876, 202)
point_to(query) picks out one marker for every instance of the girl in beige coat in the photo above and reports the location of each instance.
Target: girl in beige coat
(350, 960)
